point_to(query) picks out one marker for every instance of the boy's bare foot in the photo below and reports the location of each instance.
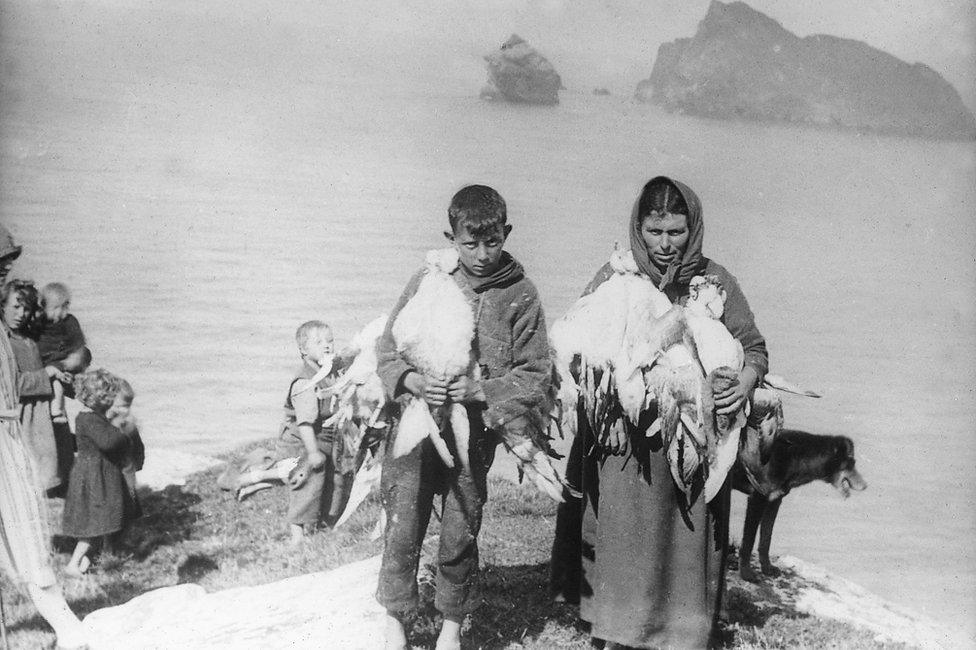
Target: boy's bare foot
(450, 636)
(395, 637)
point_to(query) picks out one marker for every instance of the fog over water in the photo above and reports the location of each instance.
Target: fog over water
(206, 177)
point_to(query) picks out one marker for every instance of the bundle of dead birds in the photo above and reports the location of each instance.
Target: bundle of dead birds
(433, 332)
(638, 354)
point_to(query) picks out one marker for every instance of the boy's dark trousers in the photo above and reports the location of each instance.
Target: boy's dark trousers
(409, 486)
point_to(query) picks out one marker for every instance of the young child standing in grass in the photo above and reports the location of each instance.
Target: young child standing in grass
(61, 341)
(98, 503)
(320, 497)
(511, 353)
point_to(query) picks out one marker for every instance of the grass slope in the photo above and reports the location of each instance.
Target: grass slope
(197, 533)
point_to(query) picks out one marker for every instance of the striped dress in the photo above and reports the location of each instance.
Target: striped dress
(25, 552)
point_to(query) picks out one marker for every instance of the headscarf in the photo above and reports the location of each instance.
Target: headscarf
(509, 272)
(692, 262)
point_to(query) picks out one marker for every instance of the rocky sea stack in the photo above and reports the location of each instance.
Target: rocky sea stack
(518, 73)
(742, 64)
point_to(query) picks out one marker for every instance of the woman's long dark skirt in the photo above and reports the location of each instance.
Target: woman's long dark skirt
(652, 569)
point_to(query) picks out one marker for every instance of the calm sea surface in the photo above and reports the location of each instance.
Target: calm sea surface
(201, 209)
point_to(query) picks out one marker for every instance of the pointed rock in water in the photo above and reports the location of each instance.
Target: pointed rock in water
(518, 73)
(741, 64)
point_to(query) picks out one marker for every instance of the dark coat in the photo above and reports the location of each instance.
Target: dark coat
(98, 500)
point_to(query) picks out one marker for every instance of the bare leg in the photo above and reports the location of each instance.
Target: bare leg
(395, 636)
(50, 603)
(57, 402)
(450, 636)
(74, 564)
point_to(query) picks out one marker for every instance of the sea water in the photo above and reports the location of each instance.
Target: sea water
(201, 206)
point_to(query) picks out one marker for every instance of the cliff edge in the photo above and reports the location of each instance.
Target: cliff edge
(339, 606)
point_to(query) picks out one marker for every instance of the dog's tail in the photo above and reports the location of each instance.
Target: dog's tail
(779, 383)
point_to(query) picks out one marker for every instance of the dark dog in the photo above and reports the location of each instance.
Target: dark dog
(789, 460)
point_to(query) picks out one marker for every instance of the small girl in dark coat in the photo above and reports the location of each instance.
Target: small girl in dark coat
(99, 502)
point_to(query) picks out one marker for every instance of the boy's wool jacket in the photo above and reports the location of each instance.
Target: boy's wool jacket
(510, 348)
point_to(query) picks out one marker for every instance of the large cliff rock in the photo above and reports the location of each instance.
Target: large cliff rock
(518, 73)
(741, 64)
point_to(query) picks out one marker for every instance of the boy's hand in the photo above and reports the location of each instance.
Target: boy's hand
(429, 389)
(316, 459)
(465, 390)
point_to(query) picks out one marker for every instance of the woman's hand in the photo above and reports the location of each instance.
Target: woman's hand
(732, 396)
(465, 390)
(429, 389)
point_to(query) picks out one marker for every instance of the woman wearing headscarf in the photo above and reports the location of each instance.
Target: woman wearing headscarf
(646, 565)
